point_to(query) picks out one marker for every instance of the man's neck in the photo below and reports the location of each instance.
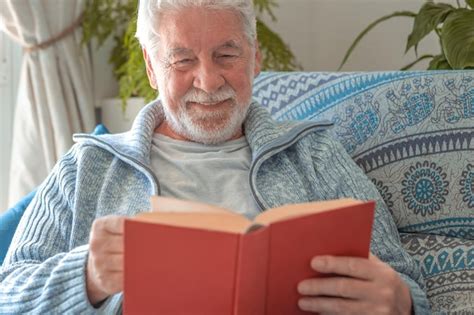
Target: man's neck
(165, 129)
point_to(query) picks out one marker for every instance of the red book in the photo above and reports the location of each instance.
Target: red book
(192, 258)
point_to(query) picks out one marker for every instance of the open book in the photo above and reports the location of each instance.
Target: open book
(193, 258)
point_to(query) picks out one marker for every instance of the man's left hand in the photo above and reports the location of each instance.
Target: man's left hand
(357, 286)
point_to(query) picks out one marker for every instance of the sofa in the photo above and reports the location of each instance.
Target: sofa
(413, 135)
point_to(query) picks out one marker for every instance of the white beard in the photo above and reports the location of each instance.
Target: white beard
(209, 127)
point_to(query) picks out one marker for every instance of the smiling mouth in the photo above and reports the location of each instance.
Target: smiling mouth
(209, 105)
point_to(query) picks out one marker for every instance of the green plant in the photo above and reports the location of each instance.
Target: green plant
(105, 18)
(453, 25)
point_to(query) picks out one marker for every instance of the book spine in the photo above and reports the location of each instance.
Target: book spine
(237, 276)
(250, 289)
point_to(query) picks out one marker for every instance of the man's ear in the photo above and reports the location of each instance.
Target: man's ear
(258, 60)
(149, 69)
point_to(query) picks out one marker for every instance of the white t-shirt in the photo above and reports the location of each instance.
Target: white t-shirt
(215, 174)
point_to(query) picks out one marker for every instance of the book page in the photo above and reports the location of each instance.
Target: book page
(167, 204)
(182, 213)
(302, 209)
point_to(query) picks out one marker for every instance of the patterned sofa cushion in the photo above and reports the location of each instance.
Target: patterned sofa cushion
(447, 264)
(411, 132)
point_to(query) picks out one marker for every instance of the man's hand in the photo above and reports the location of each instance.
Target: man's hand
(359, 286)
(105, 262)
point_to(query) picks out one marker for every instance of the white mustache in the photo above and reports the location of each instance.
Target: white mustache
(198, 96)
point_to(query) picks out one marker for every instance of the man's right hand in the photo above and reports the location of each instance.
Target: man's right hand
(104, 275)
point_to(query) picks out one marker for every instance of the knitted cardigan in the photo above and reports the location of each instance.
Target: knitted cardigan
(44, 270)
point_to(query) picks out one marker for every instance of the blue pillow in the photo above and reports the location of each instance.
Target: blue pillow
(10, 219)
(100, 130)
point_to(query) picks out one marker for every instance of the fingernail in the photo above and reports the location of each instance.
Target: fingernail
(318, 263)
(303, 304)
(302, 288)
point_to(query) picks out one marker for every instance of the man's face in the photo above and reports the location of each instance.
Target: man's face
(203, 68)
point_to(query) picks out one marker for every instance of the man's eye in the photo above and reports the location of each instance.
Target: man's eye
(184, 61)
(227, 56)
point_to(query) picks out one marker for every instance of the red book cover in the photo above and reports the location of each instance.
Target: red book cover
(174, 270)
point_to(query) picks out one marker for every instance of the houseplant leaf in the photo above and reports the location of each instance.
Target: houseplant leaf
(133, 80)
(370, 27)
(439, 62)
(457, 38)
(408, 66)
(262, 6)
(276, 54)
(430, 15)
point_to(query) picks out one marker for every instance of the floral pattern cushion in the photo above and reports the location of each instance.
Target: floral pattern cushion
(411, 132)
(447, 265)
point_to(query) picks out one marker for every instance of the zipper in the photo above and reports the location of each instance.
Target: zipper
(274, 149)
(127, 159)
(261, 157)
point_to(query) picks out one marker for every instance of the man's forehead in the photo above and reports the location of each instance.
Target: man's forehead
(193, 26)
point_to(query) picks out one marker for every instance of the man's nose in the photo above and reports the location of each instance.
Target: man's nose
(208, 78)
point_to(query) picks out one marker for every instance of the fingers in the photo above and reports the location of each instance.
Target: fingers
(354, 267)
(335, 287)
(111, 224)
(359, 285)
(109, 263)
(105, 261)
(328, 305)
(107, 235)
(374, 258)
(106, 243)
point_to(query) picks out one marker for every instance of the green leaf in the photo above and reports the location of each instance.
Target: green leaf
(439, 62)
(457, 38)
(370, 27)
(470, 3)
(130, 68)
(277, 56)
(430, 15)
(408, 66)
(267, 6)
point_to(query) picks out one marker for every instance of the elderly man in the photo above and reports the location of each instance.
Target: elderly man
(202, 140)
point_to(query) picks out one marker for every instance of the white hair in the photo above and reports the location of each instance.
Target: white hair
(149, 13)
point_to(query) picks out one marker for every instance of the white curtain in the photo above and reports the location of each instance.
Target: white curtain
(55, 96)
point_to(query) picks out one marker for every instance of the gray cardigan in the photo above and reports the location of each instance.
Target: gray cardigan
(44, 271)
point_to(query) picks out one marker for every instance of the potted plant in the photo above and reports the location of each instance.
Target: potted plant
(106, 18)
(453, 25)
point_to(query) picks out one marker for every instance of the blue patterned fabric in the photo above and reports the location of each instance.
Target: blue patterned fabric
(447, 264)
(413, 135)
